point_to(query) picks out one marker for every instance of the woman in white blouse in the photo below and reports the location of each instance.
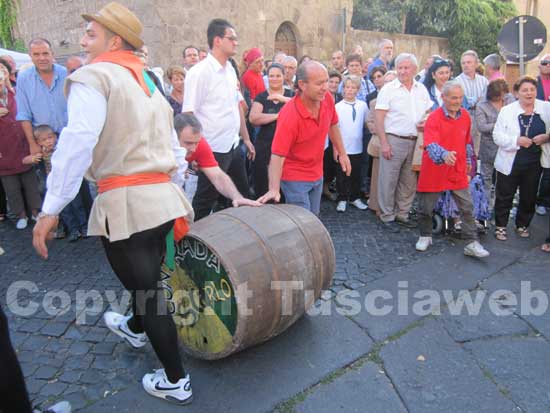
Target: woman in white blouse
(521, 134)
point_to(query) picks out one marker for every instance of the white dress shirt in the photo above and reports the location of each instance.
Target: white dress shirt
(405, 107)
(87, 111)
(352, 130)
(211, 92)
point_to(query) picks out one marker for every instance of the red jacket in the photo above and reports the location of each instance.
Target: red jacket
(451, 135)
(13, 143)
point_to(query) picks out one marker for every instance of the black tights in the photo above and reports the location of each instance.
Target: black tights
(136, 261)
(13, 392)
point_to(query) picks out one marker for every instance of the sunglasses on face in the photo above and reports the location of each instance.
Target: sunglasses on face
(545, 63)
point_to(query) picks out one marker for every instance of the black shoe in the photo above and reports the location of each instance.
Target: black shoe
(407, 223)
(390, 226)
(74, 236)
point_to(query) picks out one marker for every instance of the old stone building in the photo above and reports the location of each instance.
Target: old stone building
(312, 27)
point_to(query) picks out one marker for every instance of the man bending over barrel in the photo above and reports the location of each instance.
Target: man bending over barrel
(188, 129)
(296, 164)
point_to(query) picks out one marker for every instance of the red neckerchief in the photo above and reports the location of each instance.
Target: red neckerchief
(128, 60)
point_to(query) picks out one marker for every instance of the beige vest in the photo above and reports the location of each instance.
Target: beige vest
(136, 138)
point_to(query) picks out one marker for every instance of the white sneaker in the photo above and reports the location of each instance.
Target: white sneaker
(61, 407)
(118, 324)
(541, 210)
(423, 243)
(158, 385)
(359, 204)
(22, 223)
(475, 249)
(341, 207)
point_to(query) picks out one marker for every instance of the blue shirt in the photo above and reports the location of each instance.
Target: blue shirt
(366, 88)
(40, 104)
(376, 63)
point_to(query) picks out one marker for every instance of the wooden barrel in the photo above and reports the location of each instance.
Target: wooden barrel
(244, 275)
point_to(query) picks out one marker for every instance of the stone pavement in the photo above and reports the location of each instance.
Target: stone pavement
(421, 355)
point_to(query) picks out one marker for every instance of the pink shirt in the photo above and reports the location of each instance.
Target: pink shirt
(546, 88)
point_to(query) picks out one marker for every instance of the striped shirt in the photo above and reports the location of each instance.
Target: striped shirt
(474, 89)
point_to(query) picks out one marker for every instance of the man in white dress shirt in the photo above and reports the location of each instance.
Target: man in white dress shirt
(401, 109)
(212, 94)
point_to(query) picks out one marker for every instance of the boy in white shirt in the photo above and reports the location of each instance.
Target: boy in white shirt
(352, 116)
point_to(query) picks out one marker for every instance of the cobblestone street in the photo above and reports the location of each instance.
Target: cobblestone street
(336, 363)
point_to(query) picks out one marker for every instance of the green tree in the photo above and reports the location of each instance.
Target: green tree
(468, 24)
(8, 20)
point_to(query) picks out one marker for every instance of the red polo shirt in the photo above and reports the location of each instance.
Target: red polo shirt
(300, 138)
(203, 155)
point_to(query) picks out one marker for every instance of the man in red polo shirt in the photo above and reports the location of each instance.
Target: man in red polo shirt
(296, 164)
(188, 129)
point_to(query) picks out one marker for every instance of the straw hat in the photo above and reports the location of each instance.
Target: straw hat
(118, 19)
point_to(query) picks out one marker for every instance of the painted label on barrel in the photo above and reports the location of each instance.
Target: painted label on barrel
(201, 298)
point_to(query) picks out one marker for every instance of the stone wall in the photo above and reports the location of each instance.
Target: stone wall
(171, 25)
(421, 46)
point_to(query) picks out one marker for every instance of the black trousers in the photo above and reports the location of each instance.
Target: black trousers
(543, 197)
(349, 187)
(261, 164)
(13, 392)
(329, 166)
(233, 164)
(136, 261)
(3, 203)
(527, 180)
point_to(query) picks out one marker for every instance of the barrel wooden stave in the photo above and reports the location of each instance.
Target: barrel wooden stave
(274, 243)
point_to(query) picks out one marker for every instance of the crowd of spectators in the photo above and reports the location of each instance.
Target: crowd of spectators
(382, 103)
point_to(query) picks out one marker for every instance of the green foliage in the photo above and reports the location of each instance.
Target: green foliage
(8, 19)
(468, 24)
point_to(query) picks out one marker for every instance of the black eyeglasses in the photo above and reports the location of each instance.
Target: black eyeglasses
(545, 62)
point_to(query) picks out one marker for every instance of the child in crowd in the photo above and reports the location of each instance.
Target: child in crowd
(352, 116)
(74, 214)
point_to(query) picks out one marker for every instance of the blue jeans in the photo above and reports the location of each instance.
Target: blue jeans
(304, 194)
(74, 215)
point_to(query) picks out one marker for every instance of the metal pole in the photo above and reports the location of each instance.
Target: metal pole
(521, 52)
(344, 18)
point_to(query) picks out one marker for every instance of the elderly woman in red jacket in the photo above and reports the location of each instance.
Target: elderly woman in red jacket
(18, 180)
(445, 165)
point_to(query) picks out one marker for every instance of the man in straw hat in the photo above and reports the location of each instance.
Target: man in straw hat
(131, 154)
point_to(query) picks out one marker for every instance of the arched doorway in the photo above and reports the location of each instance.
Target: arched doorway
(286, 39)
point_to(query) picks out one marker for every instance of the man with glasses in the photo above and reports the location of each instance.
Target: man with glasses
(212, 94)
(190, 57)
(290, 64)
(543, 79)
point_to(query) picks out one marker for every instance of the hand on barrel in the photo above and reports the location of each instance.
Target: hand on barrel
(246, 202)
(270, 195)
(43, 231)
